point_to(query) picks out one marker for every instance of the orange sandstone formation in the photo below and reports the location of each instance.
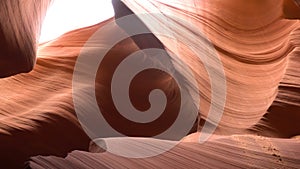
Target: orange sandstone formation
(255, 40)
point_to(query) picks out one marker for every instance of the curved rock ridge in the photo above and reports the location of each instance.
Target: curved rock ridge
(253, 45)
(224, 152)
(259, 51)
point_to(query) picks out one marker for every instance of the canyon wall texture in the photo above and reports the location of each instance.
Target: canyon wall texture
(256, 41)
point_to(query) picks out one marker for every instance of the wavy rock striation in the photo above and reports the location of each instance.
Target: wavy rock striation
(259, 52)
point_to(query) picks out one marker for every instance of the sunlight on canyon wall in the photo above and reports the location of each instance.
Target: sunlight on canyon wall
(80, 14)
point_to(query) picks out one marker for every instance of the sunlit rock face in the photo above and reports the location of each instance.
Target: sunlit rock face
(253, 45)
(259, 52)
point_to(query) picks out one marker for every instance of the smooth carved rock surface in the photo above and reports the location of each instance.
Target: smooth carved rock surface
(256, 41)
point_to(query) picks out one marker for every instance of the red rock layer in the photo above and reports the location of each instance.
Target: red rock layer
(259, 52)
(253, 46)
(20, 26)
(225, 152)
(282, 118)
(37, 115)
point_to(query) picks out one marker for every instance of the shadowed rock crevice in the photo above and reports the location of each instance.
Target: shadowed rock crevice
(259, 51)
